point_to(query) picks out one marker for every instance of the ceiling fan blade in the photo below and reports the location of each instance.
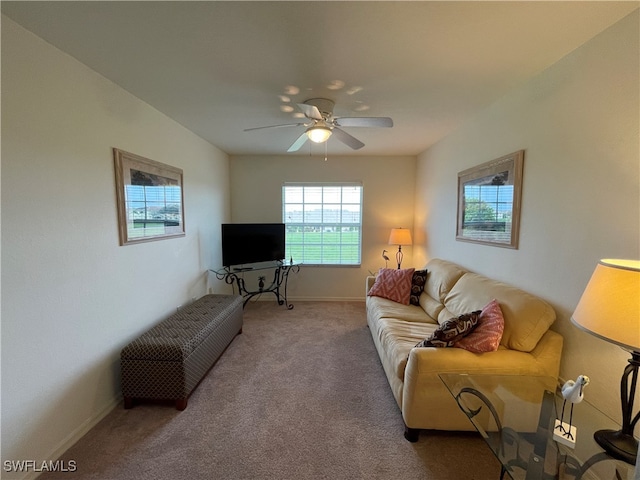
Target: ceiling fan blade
(275, 126)
(364, 122)
(347, 139)
(298, 143)
(310, 111)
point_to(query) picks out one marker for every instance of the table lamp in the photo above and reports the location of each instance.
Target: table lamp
(400, 237)
(610, 310)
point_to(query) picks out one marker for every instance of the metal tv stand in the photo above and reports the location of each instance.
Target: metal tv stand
(278, 286)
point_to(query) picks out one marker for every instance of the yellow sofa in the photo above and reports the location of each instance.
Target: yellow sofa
(527, 347)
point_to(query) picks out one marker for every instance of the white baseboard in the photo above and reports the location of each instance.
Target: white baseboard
(270, 298)
(76, 435)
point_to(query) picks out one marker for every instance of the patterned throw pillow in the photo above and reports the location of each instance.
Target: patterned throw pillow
(487, 335)
(393, 284)
(452, 330)
(417, 286)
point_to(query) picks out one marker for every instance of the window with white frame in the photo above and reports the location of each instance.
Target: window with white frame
(323, 222)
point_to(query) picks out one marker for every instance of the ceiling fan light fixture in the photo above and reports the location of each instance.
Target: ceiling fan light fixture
(318, 133)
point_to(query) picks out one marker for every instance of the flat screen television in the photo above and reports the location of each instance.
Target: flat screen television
(246, 243)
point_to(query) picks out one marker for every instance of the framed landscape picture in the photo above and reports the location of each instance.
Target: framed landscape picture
(150, 199)
(489, 198)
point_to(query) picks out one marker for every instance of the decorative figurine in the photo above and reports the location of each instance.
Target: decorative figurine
(573, 392)
(386, 259)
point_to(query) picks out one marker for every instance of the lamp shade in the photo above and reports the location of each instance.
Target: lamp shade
(400, 236)
(610, 305)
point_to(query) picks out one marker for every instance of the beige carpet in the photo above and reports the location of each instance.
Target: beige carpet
(299, 395)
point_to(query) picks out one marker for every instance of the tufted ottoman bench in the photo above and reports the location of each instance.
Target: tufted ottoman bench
(168, 361)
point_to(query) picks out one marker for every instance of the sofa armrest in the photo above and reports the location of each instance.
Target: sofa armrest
(424, 392)
(548, 353)
(543, 360)
(369, 283)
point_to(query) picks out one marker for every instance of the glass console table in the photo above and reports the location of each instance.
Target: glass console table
(278, 285)
(516, 417)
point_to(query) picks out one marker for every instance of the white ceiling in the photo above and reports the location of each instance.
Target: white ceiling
(220, 67)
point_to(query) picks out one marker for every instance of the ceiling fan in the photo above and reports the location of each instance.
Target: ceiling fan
(322, 124)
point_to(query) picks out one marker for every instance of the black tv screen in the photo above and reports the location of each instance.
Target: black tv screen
(244, 243)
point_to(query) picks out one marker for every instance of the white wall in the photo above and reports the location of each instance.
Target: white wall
(72, 297)
(256, 196)
(578, 124)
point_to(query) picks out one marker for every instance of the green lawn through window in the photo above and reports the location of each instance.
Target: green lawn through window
(317, 247)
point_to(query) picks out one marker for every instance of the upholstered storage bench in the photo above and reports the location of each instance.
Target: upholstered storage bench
(168, 361)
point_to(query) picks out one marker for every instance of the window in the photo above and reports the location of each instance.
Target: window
(488, 208)
(323, 222)
(489, 202)
(152, 207)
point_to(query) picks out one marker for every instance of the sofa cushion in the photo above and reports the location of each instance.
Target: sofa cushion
(453, 330)
(397, 338)
(441, 278)
(393, 284)
(418, 281)
(526, 318)
(488, 333)
(384, 308)
(431, 306)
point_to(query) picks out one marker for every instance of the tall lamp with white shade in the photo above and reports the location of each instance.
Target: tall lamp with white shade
(610, 310)
(400, 237)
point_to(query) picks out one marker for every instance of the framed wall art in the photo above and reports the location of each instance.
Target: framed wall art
(150, 199)
(489, 198)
